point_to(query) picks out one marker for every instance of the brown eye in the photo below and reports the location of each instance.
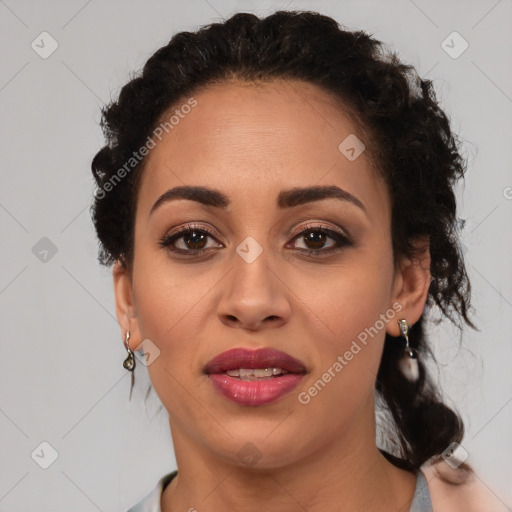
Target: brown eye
(320, 240)
(315, 239)
(195, 240)
(190, 240)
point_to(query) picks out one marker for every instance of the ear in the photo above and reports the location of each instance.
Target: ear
(125, 307)
(411, 284)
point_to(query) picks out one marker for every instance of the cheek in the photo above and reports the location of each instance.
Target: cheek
(348, 299)
(347, 357)
(169, 298)
(347, 313)
(167, 313)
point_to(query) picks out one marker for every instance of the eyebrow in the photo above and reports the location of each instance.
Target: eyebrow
(286, 198)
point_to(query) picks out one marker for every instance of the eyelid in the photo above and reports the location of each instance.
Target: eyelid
(184, 228)
(336, 233)
(169, 239)
(213, 232)
(321, 225)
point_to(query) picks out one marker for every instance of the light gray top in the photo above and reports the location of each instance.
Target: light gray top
(151, 503)
(421, 499)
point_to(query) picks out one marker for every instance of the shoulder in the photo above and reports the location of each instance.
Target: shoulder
(459, 490)
(151, 502)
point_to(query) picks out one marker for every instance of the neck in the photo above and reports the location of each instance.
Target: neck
(349, 473)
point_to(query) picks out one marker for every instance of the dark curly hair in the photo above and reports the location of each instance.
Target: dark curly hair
(408, 139)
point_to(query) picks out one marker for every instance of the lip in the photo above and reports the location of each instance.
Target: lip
(256, 392)
(252, 359)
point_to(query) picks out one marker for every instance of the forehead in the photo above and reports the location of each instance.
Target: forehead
(244, 136)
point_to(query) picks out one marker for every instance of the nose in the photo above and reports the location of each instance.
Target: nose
(254, 297)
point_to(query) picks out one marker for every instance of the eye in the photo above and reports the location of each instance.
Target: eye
(313, 240)
(189, 240)
(320, 240)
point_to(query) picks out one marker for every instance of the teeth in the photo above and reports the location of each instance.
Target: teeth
(256, 373)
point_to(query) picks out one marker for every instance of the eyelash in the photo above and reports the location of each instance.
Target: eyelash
(342, 241)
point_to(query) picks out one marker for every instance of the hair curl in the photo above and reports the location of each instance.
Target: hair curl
(408, 138)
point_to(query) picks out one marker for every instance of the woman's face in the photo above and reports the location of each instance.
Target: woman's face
(252, 283)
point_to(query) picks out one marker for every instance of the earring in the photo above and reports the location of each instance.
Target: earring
(408, 363)
(129, 362)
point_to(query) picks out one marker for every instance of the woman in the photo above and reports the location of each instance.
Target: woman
(276, 199)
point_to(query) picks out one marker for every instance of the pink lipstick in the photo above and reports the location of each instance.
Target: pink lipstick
(254, 377)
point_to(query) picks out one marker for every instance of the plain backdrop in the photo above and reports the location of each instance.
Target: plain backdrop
(61, 377)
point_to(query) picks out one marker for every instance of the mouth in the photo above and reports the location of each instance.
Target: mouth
(254, 377)
(256, 373)
(244, 364)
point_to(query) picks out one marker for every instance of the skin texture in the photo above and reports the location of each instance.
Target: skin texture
(251, 142)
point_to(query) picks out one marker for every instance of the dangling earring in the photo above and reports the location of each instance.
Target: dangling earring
(408, 363)
(129, 362)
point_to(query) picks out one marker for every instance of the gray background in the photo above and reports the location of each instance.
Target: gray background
(61, 375)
